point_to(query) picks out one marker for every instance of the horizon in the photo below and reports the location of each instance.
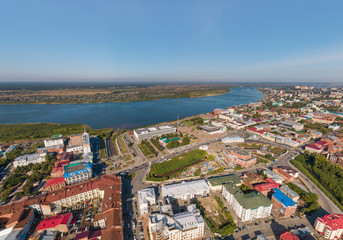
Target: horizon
(193, 41)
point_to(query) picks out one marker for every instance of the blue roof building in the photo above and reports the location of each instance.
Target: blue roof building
(282, 204)
(78, 172)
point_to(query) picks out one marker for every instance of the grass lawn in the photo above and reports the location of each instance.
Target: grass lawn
(278, 150)
(188, 123)
(146, 149)
(250, 146)
(102, 148)
(122, 145)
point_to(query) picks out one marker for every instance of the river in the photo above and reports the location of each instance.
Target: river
(125, 114)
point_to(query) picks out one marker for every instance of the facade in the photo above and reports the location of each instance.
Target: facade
(147, 133)
(26, 159)
(79, 143)
(287, 174)
(187, 225)
(58, 223)
(283, 206)
(78, 172)
(54, 184)
(240, 156)
(146, 198)
(248, 206)
(186, 190)
(330, 226)
(54, 142)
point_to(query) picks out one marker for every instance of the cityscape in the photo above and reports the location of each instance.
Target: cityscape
(171, 120)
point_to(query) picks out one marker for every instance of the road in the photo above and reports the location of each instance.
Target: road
(323, 200)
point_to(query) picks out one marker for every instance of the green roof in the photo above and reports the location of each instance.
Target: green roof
(220, 180)
(56, 136)
(250, 200)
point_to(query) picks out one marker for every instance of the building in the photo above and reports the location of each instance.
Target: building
(288, 236)
(77, 172)
(273, 175)
(216, 183)
(26, 159)
(290, 193)
(59, 223)
(54, 141)
(240, 156)
(212, 129)
(17, 225)
(289, 125)
(267, 187)
(283, 206)
(330, 226)
(186, 190)
(228, 140)
(286, 173)
(187, 225)
(54, 184)
(150, 132)
(249, 206)
(58, 170)
(51, 149)
(146, 198)
(79, 143)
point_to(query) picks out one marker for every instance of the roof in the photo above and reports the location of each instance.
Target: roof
(54, 181)
(250, 200)
(288, 236)
(268, 186)
(51, 222)
(282, 198)
(220, 180)
(192, 187)
(334, 221)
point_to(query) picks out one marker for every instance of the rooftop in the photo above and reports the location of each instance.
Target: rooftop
(282, 198)
(54, 221)
(220, 180)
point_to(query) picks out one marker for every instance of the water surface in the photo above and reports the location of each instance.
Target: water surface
(125, 114)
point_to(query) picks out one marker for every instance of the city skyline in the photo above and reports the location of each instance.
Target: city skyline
(180, 41)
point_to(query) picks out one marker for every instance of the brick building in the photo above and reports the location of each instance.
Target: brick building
(283, 206)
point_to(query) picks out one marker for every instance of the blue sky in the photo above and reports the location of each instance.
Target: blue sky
(179, 40)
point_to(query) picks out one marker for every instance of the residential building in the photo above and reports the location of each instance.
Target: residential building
(59, 223)
(273, 175)
(54, 141)
(247, 206)
(58, 170)
(267, 187)
(187, 225)
(146, 198)
(330, 226)
(186, 190)
(147, 133)
(53, 184)
(283, 206)
(240, 156)
(286, 173)
(26, 159)
(77, 172)
(79, 143)
(216, 183)
(290, 193)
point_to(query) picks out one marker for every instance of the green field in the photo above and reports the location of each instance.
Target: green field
(168, 169)
(122, 145)
(30, 131)
(146, 149)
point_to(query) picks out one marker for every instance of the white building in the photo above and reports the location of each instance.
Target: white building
(273, 175)
(188, 225)
(228, 140)
(330, 226)
(26, 159)
(212, 129)
(249, 206)
(186, 190)
(53, 142)
(147, 133)
(79, 143)
(146, 198)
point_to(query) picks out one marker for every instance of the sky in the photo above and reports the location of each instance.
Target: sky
(171, 40)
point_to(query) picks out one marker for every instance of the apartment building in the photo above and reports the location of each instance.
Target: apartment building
(330, 226)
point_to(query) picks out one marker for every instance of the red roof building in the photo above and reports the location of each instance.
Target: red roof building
(55, 184)
(58, 223)
(266, 188)
(288, 236)
(330, 226)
